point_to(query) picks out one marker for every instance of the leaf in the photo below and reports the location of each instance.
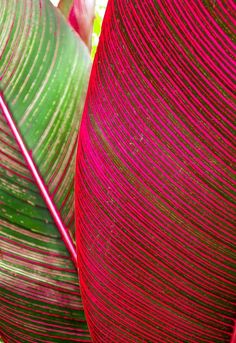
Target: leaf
(94, 15)
(81, 18)
(44, 71)
(155, 204)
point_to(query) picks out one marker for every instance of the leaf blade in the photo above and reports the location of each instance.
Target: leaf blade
(154, 192)
(44, 71)
(40, 183)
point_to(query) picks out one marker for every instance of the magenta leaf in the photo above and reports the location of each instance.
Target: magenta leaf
(155, 202)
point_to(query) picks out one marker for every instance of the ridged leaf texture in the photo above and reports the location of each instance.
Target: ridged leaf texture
(155, 197)
(44, 70)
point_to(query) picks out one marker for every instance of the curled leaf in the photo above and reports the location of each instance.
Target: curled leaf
(81, 18)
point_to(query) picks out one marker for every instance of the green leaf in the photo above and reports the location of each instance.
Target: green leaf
(44, 72)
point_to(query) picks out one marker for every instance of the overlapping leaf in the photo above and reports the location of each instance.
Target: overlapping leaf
(155, 195)
(80, 14)
(44, 70)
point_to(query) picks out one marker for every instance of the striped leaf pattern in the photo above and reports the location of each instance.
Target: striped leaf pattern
(155, 203)
(44, 70)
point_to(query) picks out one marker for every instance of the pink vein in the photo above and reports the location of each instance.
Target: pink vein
(40, 183)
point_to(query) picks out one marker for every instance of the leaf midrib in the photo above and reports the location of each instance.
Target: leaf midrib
(39, 181)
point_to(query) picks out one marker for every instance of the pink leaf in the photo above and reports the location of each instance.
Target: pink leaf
(155, 201)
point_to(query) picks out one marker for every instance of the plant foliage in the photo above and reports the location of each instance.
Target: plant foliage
(44, 72)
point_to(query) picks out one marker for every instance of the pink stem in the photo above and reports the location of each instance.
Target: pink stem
(40, 183)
